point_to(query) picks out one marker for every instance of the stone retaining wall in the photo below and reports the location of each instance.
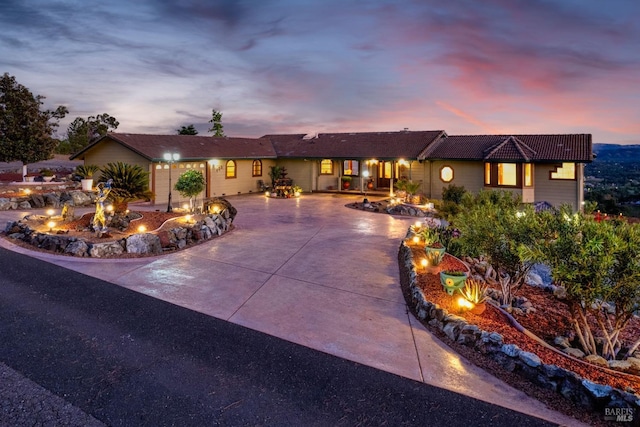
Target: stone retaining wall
(595, 397)
(210, 226)
(54, 199)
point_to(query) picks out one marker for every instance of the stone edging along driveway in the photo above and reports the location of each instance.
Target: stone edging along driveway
(568, 384)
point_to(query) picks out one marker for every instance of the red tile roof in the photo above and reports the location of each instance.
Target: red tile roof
(536, 148)
(379, 145)
(191, 147)
(361, 145)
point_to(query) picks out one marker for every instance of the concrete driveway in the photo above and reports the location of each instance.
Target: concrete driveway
(313, 272)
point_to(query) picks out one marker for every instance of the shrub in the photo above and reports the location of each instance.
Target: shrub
(130, 182)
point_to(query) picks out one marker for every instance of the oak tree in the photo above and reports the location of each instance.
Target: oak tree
(25, 130)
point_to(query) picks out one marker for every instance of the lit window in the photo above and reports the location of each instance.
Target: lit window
(351, 167)
(487, 174)
(256, 168)
(446, 173)
(528, 174)
(566, 171)
(158, 166)
(326, 167)
(230, 169)
(507, 174)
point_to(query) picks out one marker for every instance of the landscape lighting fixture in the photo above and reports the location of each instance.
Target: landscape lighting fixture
(170, 158)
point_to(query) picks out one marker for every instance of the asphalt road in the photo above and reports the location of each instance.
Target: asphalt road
(128, 359)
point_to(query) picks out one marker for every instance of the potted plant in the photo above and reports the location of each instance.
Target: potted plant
(431, 237)
(411, 188)
(401, 189)
(86, 173)
(452, 280)
(47, 175)
(370, 184)
(346, 182)
(475, 292)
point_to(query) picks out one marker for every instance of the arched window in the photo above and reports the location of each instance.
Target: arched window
(230, 169)
(326, 167)
(446, 174)
(256, 168)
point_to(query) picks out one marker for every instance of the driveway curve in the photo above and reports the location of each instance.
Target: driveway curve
(315, 273)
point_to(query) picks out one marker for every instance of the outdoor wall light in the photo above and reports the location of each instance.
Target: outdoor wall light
(215, 164)
(170, 158)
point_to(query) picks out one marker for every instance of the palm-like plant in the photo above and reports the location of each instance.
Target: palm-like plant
(130, 182)
(87, 171)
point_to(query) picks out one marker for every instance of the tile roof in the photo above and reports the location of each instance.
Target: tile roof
(379, 145)
(191, 147)
(537, 148)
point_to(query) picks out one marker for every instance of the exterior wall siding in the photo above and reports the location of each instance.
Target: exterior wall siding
(557, 191)
(161, 181)
(111, 152)
(469, 175)
(300, 171)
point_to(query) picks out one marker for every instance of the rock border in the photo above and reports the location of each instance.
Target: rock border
(587, 394)
(143, 244)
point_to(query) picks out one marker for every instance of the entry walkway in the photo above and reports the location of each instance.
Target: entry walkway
(312, 272)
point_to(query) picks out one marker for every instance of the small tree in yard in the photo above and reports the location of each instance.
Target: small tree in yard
(190, 184)
(599, 266)
(496, 224)
(25, 131)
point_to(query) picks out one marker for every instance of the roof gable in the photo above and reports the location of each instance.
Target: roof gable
(515, 148)
(511, 148)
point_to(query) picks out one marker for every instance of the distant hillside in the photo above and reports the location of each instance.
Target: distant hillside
(616, 153)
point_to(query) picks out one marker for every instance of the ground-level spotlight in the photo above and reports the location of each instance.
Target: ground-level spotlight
(51, 224)
(142, 229)
(50, 212)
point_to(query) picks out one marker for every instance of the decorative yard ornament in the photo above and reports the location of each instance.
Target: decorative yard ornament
(99, 219)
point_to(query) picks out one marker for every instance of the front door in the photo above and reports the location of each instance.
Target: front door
(385, 173)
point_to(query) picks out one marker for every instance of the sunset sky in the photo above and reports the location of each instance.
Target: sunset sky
(298, 66)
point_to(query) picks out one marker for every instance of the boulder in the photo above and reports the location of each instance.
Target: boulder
(52, 199)
(5, 204)
(146, 244)
(620, 365)
(80, 198)
(107, 249)
(77, 248)
(37, 201)
(575, 352)
(594, 359)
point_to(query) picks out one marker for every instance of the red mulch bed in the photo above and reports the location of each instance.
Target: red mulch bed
(550, 320)
(152, 220)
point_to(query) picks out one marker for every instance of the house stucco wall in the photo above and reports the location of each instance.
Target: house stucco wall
(469, 175)
(558, 191)
(112, 152)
